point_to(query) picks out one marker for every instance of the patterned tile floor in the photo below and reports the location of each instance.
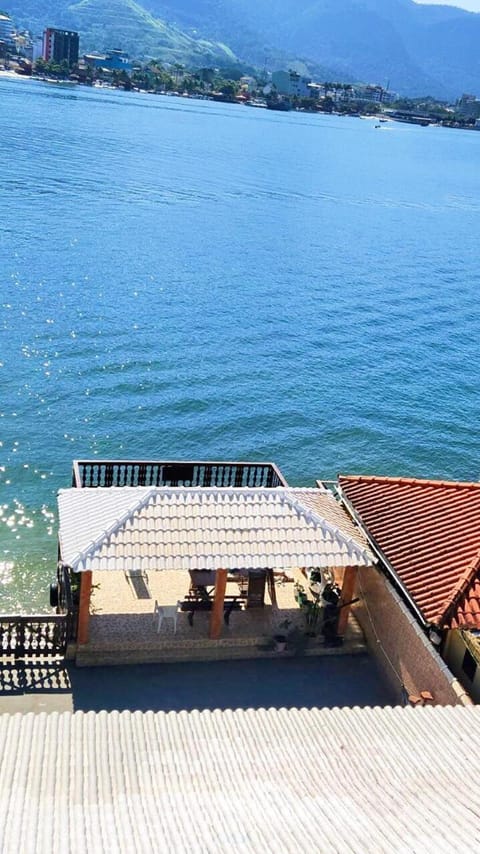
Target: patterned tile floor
(122, 622)
(124, 607)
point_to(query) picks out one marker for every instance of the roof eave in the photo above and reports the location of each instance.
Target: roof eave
(453, 601)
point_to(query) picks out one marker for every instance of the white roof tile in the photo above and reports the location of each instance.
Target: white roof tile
(180, 528)
(387, 781)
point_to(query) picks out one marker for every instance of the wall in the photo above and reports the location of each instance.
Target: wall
(281, 81)
(399, 644)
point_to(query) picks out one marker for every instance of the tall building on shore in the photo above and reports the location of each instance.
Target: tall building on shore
(37, 48)
(60, 45)
(6, 29)
(291, 83)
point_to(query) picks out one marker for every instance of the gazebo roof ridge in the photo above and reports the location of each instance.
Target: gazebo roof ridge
(135, 507)
(335, 533)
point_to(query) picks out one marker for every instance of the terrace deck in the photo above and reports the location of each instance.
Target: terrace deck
(123, 630)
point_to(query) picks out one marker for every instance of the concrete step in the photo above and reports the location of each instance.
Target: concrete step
(95, 655)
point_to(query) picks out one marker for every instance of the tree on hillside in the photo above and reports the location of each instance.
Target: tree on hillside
(121, 80)
(326, 104)
(60, 70)
(40, 67)
(310, 104)
(229, 89)
(179, 68)
(207, 75)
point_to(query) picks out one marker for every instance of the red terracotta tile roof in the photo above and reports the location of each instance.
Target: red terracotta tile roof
(429, 531)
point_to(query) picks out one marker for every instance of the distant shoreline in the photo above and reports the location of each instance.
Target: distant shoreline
(12, 75)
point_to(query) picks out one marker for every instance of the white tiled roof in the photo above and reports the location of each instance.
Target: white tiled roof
(325, 505)
(192, 528)
(385, 781)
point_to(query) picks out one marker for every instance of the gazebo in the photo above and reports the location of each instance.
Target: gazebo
(216, 529)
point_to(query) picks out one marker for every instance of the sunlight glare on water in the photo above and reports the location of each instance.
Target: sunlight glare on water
(184, 279)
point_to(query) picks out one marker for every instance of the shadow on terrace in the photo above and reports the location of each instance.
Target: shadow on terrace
(299, 682)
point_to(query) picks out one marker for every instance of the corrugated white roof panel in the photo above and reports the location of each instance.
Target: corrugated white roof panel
(180, 528)
(329, 780)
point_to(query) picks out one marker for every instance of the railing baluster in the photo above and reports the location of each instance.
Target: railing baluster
(30, 637)
(106, 473)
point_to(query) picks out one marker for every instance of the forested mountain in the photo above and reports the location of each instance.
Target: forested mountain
(420, 49)
(104, 24)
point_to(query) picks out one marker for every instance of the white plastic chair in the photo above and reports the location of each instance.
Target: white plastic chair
(166, 612)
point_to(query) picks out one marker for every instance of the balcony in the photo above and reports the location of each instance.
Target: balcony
(108, 473)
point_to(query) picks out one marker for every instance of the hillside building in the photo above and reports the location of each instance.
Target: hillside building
(7, 30)
(373, 94)
(248, 83)
(468, 106)
(60, 45)
(291, 84)
(23, 44)
(37, 48)
(111, 60)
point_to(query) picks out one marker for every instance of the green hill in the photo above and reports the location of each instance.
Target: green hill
(104, 24)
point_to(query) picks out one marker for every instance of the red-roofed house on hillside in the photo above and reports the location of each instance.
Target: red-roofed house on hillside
(426, 534)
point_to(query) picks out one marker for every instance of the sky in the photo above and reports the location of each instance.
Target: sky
(471, 5)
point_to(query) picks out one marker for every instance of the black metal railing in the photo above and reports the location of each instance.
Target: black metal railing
(34, 636)
(65, 597)
(36, 677)
(66, 604)
(106, 473)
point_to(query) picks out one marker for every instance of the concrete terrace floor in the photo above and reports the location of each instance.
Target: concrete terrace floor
(122, 609)
(260, 683)
(122, 630)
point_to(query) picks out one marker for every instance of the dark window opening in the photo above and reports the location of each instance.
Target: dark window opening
(469, 665)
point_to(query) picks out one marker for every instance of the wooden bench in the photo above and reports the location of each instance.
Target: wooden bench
(192, 603)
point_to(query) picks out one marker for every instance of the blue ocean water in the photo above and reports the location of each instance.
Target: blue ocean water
(184, 279)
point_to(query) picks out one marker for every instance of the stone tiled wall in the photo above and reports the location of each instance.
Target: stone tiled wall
(406, 656)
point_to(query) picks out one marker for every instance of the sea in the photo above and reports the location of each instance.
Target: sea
(183, 279)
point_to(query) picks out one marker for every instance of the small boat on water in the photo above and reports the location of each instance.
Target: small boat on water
(256, 102)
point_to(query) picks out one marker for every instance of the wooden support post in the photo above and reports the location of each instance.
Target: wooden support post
(84, 607)
(347, 594)
(216, 617)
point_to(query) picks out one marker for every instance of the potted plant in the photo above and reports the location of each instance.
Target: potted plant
(280, 639)
(300, 595)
